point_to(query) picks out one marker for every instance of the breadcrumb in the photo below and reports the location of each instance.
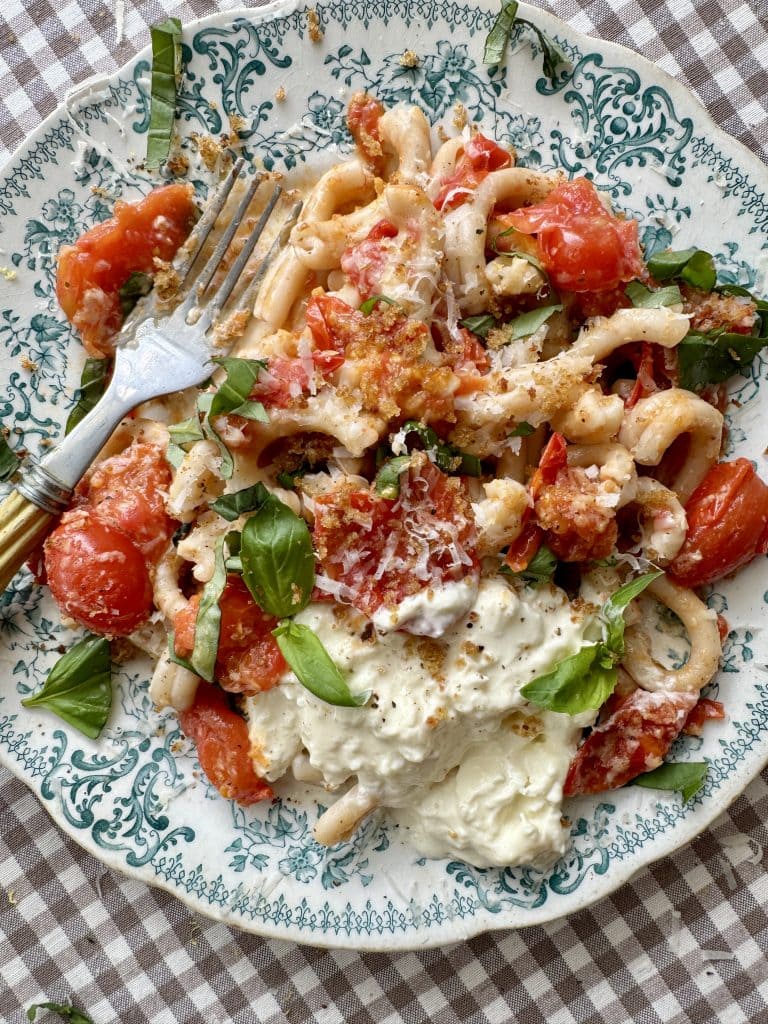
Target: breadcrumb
(27, 364)
(460, 117)
(315, 32)
(280, 94)
(8, 273)
(410, 59)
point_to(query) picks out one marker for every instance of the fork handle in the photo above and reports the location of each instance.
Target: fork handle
(22, 526)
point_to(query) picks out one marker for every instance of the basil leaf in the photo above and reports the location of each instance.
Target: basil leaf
(249, 499)
(369, 305)
(136, 287)
(496, 42)
(204, 403)
(68, 1013)
(705, 359)
(528, 323)
(540, 569)
(523, 429)
(552, 55)
(278, 561)
(313, 666)
(233, 393)
(208, 621)
(388, 477)
(694, 266)
(9, 460)
(79, 687)
(166, 70)
(233, 541)
(686, 777)
(577, 683)
(287, 478)
(93, 384)
(612, 613)
(647, 298)
(480, 325)
(186, 432)
(445, 456)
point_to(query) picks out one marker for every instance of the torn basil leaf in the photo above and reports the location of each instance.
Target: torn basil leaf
(182, 436)
(79, 687)
(444, 455)
(67, 1013)
(166, 72)
(540, 569)
(9, 460)
(202, 660)
(93, 384)
(277, 558)
(480, 325)
(577, 683)
(612, 612)
(287, 478)
(388, 477)
(249, 499)
(523, 429)
(369, 305)
(648, 298)
(684, 777)
(232, 396)
(694, 266)
(136, 287)
(705, 359)
(313, 666)
(496, 42)
(527, 324)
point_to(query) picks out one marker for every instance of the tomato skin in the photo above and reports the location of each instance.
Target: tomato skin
(91, 272)
(583, 247)
(522, 550)
(480, 156)
(97, 575)
(631, 741)
(703, 711)
(364, 262)
(223, 747)
(248, 658)
(727, 524)
(363, 116)
(324, 314)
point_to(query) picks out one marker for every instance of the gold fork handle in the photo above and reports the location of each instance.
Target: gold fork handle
(22, 526)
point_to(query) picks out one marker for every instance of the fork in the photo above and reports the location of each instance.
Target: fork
(155, 355)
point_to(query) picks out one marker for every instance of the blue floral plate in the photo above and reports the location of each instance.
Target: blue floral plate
(135, 798)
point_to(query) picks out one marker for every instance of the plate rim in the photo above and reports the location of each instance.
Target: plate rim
(456, 929)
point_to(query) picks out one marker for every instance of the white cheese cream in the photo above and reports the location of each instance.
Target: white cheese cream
(446, 741)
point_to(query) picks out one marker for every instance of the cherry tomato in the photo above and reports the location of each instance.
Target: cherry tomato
(480, 156)
(92, 271)
(97, 575)
(524, 547)
(703, 711)
(128, 490)
(248, 659)
(382, 550)
(223, 747)
(727, 524)
(286, 377)
(363, 116)
(583, 247)
(364, 262)
(326, 315)
(632, 740)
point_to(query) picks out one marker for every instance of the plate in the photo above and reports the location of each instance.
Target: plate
(135, 798)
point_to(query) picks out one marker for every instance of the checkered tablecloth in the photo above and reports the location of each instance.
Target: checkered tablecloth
(685, 941)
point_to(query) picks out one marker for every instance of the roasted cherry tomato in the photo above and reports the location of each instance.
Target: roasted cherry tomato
(363, 116)
(223, 747)
(632, 740)
(248, 658)
(364, 262)
(704, 711)
(727, 524)
(92, 271)
(583, 246)
(479, 157)
(97, 575)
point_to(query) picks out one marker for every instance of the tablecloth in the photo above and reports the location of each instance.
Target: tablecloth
(685, 941)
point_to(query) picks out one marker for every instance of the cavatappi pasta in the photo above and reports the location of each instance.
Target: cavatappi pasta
(480, 426)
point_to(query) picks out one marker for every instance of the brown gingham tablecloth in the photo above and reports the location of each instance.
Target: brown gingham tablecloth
(685, 941)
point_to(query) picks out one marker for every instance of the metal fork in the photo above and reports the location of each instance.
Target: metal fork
(155, 355)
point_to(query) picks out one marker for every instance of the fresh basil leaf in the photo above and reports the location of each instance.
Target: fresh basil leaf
(388, 477)
(313, 666)
(495, 242)
(166, 71)
(136, 287)
(93, 384)
(577, 683)
(445, 456)
(647, 298)
(9, 460)
(79, 687)
(612, 613)
(527, 324)
(705, 359)
(686, 777)
(288, 478)
(523, 429)
(204, 403)
(186, 432)
(177, 658)
(552, 55)
(496, 41)
(249, 499)
(367, 307)
(68, 1013)
(480, 325)
(694, 266)
(208, 620)
(233, 393)
(540, 569)
(278, 561)
(233, 540)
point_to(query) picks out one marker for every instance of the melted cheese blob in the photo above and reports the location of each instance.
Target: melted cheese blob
(436, 706)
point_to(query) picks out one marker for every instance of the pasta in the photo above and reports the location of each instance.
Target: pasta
(406, 552)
